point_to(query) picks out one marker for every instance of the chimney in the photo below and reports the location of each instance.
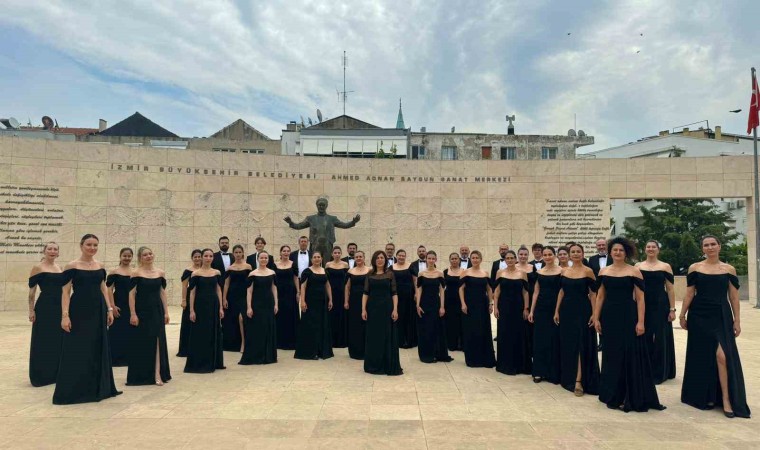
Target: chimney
(718, 133)
(686, 131)
(102, 125)
(664, 133)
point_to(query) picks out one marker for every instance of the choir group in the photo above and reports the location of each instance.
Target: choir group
(553, 314)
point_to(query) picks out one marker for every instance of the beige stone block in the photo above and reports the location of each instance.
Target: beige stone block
(635, 166)
(683, 166)
(121, 233)
(91, 215)
(23, 174)
(596, 189)
(653, 177)
(618, 189)
(683, 189)
(451, 169)
(660, 166)
(359, 166)
(123, 154)
(151, 181)
(476, 206)
(182, 235)
(657, 189)
(684, 177)
(425, 168)
(28, 148)
(572, 167)
(123, 197)
(523, 205)
(207, 218)
(499, 205)
(381, 167)
(238, 202)
(544, 170)
(710, 189)
(181, 200)
(599, 167)
(262, 162)
(452, 190)
(430, 221)
(123, 216)
(572, 190)
(287, 164)
(710, 165)
(335, 188)
(499, 221)
(91, 165)
(58, 176)
(710, 177)
(180, 158)
(359, 187)
(209, 183)
(262, 202)
(152, 216)
(206, 236)
(153, 199)
(123, 180)
(235, 161)
(60, 150)
(737, 164)
(262, 186)
(500, 168)
(546, 190)
(180, 182)
(568, 179)
(152, 234)
(453, 205)
(429, 205)
(180, 217)
(208, 200)
(384, 205)
(311, 187)
(257, 220)
(92, 151)
(205, 159)
(290, 187)
(738, 188)
(152, 156)
(635, 190)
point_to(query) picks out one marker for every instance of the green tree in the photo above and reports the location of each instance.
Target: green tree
(678, 224)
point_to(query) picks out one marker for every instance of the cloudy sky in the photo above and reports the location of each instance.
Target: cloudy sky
(628, 68)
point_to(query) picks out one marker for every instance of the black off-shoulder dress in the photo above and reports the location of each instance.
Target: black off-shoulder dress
(47, 335)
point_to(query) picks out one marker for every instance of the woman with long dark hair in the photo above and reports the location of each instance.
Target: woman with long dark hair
(85, 373)
(405, 282)
(453, 305)
(379, 310)
(431, 345)
(286, 281)
(511, 311)
(233, 295)
(710, 313)
(261, 308)
(184, 328)
(337, 273)
(354, 291)
(119, 284)
(205, 353)
(475, 297)
(313, 338)
(532, 273)
(626, 380)
(546, 353)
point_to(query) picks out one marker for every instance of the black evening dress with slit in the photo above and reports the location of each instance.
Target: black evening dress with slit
(532, 278)
(431, 333)
(356, 325)
(85, 373)
(184, 327)
(338, 315)
(381, 353)
(287, 314)
(625, 381)
(120, 331)
(407, 307)
(476, 324)
(313, 338)
(453, 318)
(546, 353)
(577, 340)
(204, 350)
(232, 339)
(512, 342)
(658, 329)
(149, 335)
(711, 325)
(261, 329)
(47, 335)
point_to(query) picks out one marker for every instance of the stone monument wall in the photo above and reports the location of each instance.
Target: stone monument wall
(176, 200)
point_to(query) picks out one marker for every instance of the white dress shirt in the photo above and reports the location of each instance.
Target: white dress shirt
(303, 261)
(502, 265)
(602, 261)
(226, 259)
(422, 265)
(351, 263)
(464, 263)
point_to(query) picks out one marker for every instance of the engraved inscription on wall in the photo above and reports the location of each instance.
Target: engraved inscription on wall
(29, 216)
(578, 220)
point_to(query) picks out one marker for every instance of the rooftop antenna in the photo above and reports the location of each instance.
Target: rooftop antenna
(344, 63)
(319, 115)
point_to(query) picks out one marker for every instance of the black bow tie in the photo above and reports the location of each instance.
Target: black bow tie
(225, 253)
(422, 261)
(602, 255)
(303, 253)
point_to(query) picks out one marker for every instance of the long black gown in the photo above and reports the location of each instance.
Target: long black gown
(204, 349)
(184, 327)
(476, 324)
(149, 331)
(338, 315)
(659, 330)
(287, 314)
(532, 278)
(431, 333)
(85, 373)
(453, 317)
(576, 338)
(47, 335)
(626, 377)
(313, 339)
(407, 307)
(232, 340)
(512, 343)
(546, 359)
(711, 324)
(381, 354)
(261, 329)
(120, 331)
(356, 325)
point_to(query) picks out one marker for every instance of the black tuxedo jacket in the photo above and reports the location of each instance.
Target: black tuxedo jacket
(294, 258)
(253, 257)
(593, 262)
(469, 263)
(415, 267)
(533, 263)
(218, 264)
(494, 271)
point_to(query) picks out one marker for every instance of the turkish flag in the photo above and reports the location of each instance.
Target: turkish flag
(754, 107)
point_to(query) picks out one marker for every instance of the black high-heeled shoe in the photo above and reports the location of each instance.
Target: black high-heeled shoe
(538, 379)
(729, 414)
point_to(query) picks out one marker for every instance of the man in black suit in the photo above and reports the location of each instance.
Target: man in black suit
(421, 264)
(599, 261)
(351, 249)
(390, 252)
(500, 264)
(464, 257)
(538, 257)
(222, 259)
(302, 257)
(253, 258)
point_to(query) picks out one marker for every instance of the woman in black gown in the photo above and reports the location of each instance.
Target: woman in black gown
(380, 311)
(660, 312)
(710, 313)
(546, 356)
(45, 316)
(149, 314)
(204, 350)
(261, 308)
(353, 304)
(511, 308)
(233, 295)
(579, 364)
(184, 328)
(431, 334)
(405, 282)
(532, 274)
(337, 273)
(313, 338)
(119, 284)
(286, 282)
(475, 296)
(452, 304)
(626, 380)
(85, 373)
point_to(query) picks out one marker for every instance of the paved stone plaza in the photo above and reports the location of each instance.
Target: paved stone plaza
(334, 404)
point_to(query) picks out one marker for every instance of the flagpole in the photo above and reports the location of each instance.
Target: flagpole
(757, 209)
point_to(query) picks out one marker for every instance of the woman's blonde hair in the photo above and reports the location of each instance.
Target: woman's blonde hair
(139, 254)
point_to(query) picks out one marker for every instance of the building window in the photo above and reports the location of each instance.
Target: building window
(255, 151)
(448, 153)
(224, 150)
(485, 152)
(548, 152)
(418, 152)
(508, 153)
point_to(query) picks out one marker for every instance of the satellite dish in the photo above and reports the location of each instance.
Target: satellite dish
(10, 123)
(571, 132)
(453, 129)
(581, 133)
(319, 115)
(310, 122)
(47, 123)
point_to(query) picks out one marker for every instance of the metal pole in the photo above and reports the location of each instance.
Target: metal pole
(757, 210)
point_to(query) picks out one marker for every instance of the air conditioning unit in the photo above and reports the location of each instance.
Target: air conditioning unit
(741, 204)
(731, 205)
